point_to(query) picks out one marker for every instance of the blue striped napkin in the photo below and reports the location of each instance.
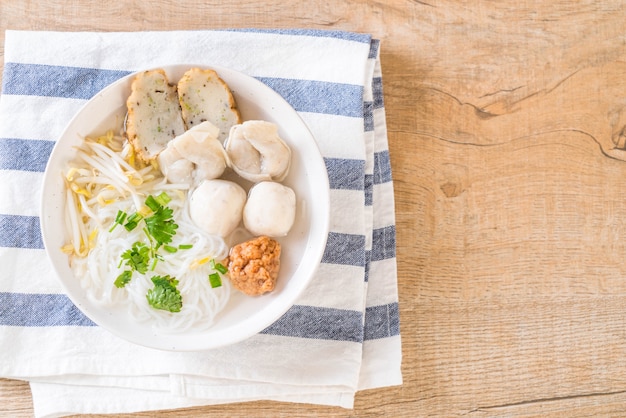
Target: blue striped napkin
(343, 334)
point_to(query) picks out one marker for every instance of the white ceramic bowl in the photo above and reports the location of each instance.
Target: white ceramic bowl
(302, 248)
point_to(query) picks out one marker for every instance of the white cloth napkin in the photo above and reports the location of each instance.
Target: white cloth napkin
(343, 333)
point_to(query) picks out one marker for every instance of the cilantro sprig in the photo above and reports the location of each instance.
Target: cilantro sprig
(123, 279)
(159, 228)
(137, 258)
(164, 295)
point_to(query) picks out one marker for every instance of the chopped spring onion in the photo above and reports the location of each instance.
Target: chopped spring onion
(215, 280)
(170, 249)
(219, 267)
(155, 260)
(152, 203)
(185, 246)
(163, 198)
(119, 219)
(156, 202)
(133, 221)
(121, 216)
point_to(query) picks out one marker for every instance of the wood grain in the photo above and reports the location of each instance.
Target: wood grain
(507, 130)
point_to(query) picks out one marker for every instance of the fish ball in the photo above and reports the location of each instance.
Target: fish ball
(216, 206)
(270, 209)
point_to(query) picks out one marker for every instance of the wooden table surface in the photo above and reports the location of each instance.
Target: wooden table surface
(507, 131)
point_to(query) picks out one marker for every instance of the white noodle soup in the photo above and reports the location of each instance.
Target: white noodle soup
(89, 181)
(102, 183)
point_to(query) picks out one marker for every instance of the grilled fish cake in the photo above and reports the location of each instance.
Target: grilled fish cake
(204, 96)
(154, 114)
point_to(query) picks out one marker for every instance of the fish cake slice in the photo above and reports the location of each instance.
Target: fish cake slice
(204, 96)
(154, 114)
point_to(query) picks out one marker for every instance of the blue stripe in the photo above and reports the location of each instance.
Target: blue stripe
(377, 92)
(348, 36)
(382, 321)
(345, 249)
(46, 310)
(51, 310)
(83, 83)
(369, 189)
(39, 310)
(383, 247)
(20, 232)
(24, 154)
(319, 96)
(374, 48)
(345, 174)
(382, 167)
(319, 323)
(368, 263)
(368, 116)
(56, 81)
(383, 243)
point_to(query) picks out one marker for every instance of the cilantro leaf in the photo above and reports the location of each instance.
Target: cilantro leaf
(161, 225)
(123, 279)
(165, 295)
(138, 257)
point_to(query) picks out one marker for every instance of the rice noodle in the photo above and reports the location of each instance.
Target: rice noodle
(100, 182)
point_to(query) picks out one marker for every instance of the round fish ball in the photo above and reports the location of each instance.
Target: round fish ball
(270, 209)
(216, 206)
